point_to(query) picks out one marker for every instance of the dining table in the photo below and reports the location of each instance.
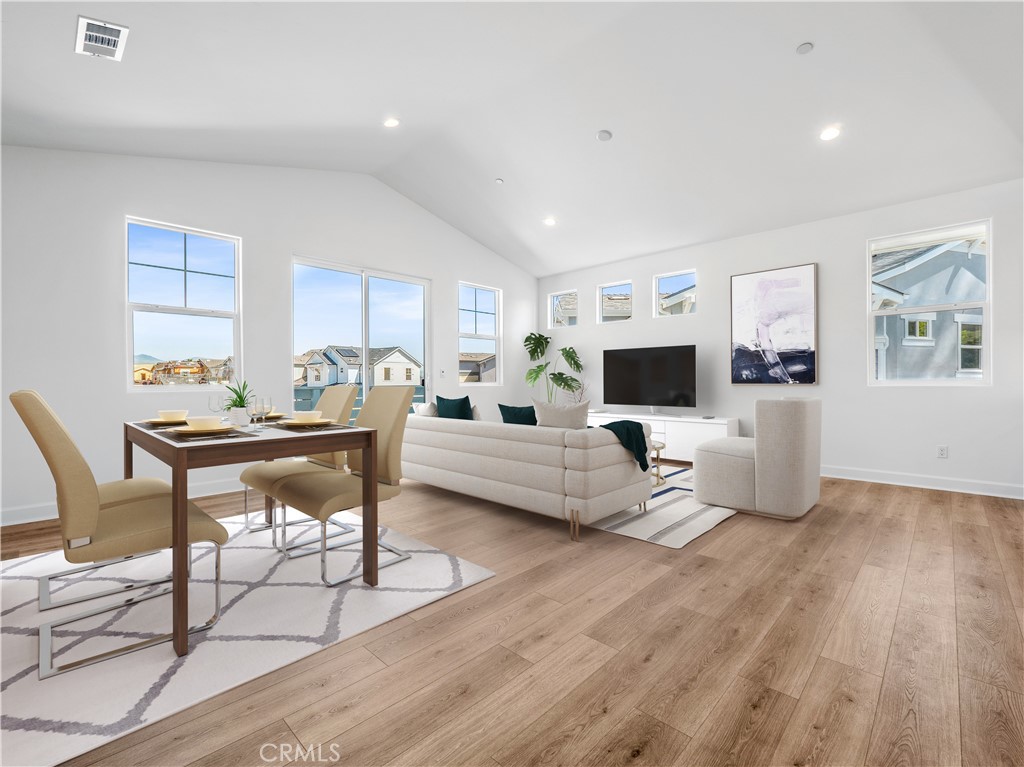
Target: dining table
(183, 450)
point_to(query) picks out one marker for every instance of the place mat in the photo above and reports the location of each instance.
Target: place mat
(310, 427)
(174, 436)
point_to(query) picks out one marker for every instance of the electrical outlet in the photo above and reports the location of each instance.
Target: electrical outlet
(442, 374)
(943, 451)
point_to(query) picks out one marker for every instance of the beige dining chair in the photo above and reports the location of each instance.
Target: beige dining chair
(104, 524)
(322, 493)
(335, 403)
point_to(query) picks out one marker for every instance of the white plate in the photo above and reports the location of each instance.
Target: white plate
(318, 422)
(192, 430)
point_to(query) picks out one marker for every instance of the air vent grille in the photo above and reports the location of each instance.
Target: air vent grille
(100, 38)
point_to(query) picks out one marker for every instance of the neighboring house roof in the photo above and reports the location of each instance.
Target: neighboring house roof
(678, 297)
(475, 357)
(379, 355)
(350, 355)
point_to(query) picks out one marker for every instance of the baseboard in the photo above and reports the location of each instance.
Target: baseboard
(953, 484)
(40, 512)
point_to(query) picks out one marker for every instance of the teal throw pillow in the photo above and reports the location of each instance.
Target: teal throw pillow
(455, 408)
(526, 416)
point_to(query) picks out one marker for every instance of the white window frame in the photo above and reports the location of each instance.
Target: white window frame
(655, 293)
(918, 238)
(927, 317)
(365, 275)
(968, 319)
(551, 309)
(498, 314)
(133, 307)
(600, 302)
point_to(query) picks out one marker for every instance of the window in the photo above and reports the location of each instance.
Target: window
(408, 374)
(183, 320)
(352, 326)
(479, 334)
(929, 306)
(563, 309)
(615, 302)
(675, 294)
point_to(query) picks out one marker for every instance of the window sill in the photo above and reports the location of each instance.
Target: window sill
(919, 342)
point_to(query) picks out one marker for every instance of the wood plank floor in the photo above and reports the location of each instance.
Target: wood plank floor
(883, 628)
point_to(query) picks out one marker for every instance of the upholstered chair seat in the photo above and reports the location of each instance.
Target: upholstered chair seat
(777, 472)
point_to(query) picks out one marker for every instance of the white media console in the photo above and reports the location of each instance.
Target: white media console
(680, 434)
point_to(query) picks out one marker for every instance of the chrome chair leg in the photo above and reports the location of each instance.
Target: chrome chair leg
(253, 528)
(47, 602)
(46, 667)
(401, 556)
(301, 546)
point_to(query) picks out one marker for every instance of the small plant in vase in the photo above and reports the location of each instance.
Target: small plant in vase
(240, 397)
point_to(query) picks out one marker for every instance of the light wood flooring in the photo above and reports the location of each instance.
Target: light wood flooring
(883, 628)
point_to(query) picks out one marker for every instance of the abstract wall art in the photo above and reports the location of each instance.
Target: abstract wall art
(774, 326)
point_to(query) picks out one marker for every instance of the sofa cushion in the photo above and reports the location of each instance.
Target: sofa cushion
(525, 416)
(455, 408)
(737, 447)
(425, 409)
(562, 416)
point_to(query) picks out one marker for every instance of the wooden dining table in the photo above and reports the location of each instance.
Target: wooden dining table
(182, 453)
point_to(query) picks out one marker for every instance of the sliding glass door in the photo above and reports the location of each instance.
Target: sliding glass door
(356, 327)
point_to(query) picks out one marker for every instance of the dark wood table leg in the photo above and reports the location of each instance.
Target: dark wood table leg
(179, 539)
(370, 511)
(128, 454)
(268, 506)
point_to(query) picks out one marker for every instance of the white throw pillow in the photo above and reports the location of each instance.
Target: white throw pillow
(425, 408)
(562, 416)
(476, 413)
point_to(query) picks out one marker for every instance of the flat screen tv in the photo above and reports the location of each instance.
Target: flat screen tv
(659, 376)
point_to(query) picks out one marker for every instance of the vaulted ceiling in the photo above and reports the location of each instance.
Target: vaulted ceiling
(715, 116)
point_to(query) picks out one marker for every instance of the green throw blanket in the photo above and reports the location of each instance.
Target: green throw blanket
(631, 435)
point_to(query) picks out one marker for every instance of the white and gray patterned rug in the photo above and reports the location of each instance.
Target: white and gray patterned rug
(274, 612)
(673, 518)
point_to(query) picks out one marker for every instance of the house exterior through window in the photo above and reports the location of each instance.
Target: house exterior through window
(479, 334)
(929, 307)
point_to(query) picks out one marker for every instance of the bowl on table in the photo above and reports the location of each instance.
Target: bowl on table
(306, 416)
(172, 415)
(203, 422)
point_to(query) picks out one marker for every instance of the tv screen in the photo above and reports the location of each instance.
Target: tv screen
(660, 376)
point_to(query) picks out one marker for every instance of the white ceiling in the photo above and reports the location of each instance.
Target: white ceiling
(715, 116)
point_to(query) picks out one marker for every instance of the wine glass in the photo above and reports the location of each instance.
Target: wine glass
(251, 410)
(264, 407)
(216, 403)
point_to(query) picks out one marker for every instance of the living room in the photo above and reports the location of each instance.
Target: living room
(540, 151)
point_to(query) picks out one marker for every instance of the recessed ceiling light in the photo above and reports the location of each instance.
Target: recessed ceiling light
(804, 48)
(499, 181)
(391, 122)
(831, 132)
(550, 221)
(604, 135)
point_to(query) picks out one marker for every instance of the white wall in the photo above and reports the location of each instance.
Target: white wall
(64, 293)
(883, 434)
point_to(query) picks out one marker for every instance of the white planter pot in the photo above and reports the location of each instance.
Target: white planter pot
(238, 416)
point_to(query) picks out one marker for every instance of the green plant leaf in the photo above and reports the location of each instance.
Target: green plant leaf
(536, 345)
(535, 374)
(565, 382)
(571, 359)
(240, 395)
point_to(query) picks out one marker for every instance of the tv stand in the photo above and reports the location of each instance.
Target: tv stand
(681, 434)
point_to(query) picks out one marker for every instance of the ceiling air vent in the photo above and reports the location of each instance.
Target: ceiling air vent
(100, 38)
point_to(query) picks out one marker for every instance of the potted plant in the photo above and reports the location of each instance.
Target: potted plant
(235, 404)
(536, 345)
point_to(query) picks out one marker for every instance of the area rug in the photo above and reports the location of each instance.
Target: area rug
(274, 612)
(673, 518)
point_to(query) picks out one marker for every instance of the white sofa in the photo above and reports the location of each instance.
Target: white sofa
(578, 475)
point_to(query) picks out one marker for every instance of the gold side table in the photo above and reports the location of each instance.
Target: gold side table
(657, 447)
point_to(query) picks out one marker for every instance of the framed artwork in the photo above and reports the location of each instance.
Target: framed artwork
(774, 326)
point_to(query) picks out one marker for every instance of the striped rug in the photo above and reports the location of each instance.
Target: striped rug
(673, 518)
